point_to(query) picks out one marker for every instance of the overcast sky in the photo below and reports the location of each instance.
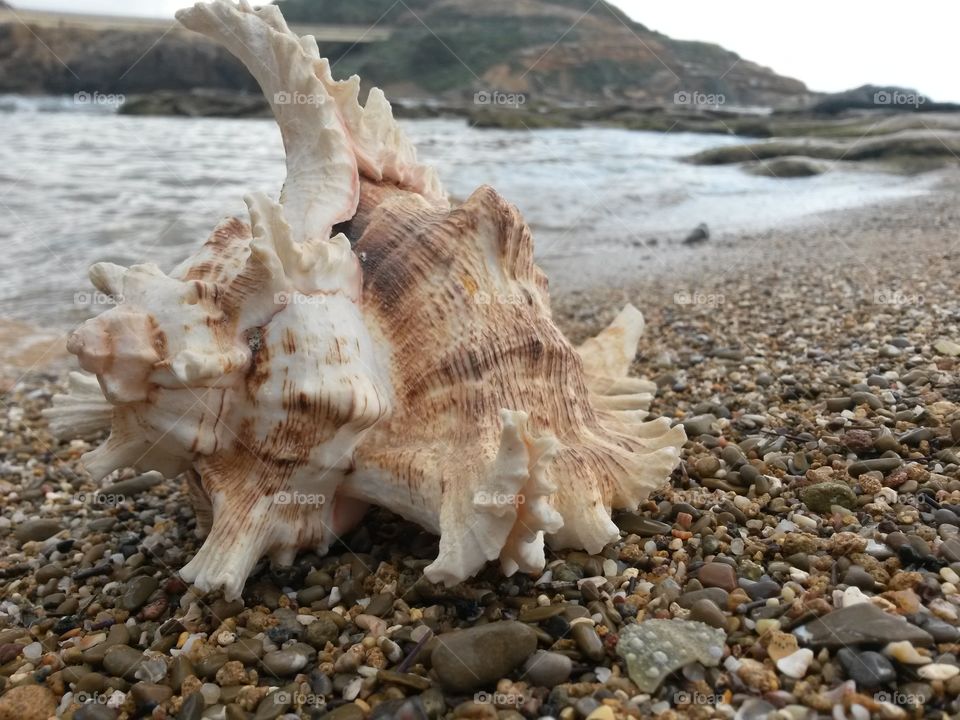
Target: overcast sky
(829, 44)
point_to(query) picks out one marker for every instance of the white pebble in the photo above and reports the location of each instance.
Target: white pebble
(796, 664)
(210, 692)
(33, 651)
(950, 575)
(938, 671)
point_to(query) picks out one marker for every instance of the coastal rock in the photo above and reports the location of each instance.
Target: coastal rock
(655, 648)
(789, 166)
(466, 660)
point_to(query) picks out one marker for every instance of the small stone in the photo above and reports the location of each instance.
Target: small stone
(781, 645)
(138, 590)
(707, 466)
(947, 347)
(868, 669)
(718, 574)
(36, 530)
(796, 664)
(320, 632)
(123, 661)
(588, 641)
(28, 702)
(547, 669)
(938, 671)
(904, 652)
(284, 662)
(821, 497)
(147, 696)
(757, 676)
(700, 425)
(706, 611)
(465, 660)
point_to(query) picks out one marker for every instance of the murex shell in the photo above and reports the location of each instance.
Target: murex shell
(296, 374)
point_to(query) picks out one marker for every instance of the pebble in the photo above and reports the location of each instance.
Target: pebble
(35, 530)
(284, 662)
(821, 497)
(938, 671)
(466, 660)
(857, 625)
(868, 669)
(796, 664)
(718, 574)
(123, 661)
(138, 591)
(547, 669)
(587, 639)
(27, 702)
(706, 611)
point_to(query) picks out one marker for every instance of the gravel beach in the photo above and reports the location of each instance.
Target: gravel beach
(804, 562)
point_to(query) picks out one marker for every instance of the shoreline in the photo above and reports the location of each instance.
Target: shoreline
(815, 371)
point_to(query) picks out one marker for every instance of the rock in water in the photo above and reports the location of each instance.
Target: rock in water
(466, 660)
(655, 648)
(860, 624)
(701, 233)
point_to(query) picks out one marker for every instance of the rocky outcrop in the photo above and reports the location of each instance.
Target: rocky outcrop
(487, 54)
(38, 59)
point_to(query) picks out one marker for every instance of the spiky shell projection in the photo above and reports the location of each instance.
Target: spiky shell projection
(409, 360)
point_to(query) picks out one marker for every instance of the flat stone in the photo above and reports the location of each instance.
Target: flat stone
(867, 668)
(860, 624)
(36, 530)
(653, 649)
(147, 695)
(466, 660)
(642, 525)
(410, 680)
(133, 486)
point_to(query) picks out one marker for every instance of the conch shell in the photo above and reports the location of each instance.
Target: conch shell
(362, 341)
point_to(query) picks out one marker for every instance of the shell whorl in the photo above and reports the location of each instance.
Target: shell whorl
(409, 361)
